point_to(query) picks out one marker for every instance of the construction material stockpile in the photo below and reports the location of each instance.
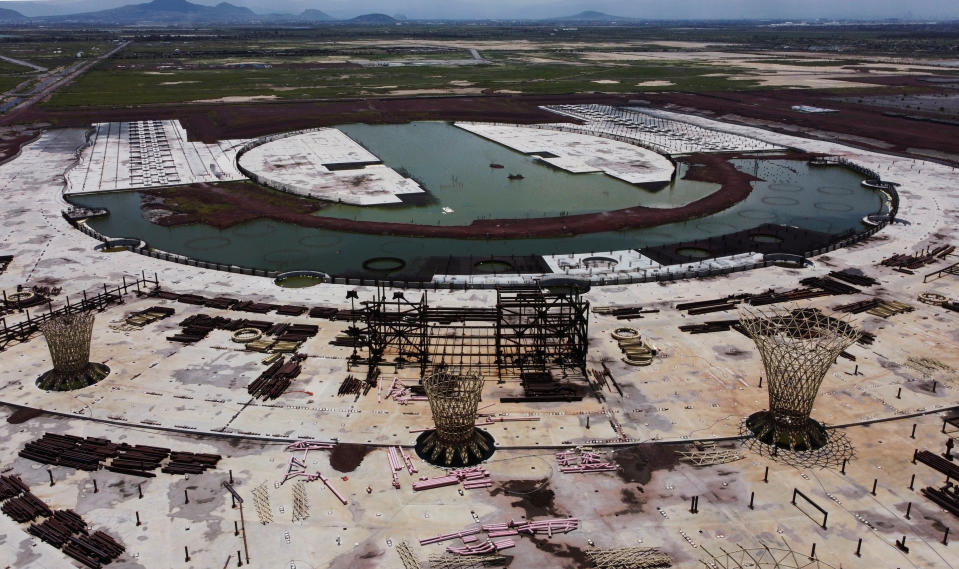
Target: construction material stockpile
(813, 287)
(94, 453)
(876, 307)
(149, 315)
(908, 263)
(230, 303)
(63, 529)
(276, 379)
(625, 312)
(275, 337)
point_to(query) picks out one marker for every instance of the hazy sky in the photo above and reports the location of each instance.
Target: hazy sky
(653, 9)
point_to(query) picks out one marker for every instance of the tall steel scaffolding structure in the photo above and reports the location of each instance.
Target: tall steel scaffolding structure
(400, 325)
(537, 329)
(797, 347)
(529, 330)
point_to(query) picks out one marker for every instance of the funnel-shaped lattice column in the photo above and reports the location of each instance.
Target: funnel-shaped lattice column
(797, 348)
(68, 337)
(456, 441)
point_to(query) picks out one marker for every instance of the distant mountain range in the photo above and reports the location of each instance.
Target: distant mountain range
(184, 12)
(590, 16)
(7, 16)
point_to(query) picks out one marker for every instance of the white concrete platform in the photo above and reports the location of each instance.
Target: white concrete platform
(148, 154)
(654, 131)
(578, 153)
(326, 164)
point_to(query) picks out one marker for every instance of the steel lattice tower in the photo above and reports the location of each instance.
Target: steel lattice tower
(797, 347)
(68, 337)
(456, 441)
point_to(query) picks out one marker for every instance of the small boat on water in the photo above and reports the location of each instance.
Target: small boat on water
(447, 210)
(495, 165)
(515, 176)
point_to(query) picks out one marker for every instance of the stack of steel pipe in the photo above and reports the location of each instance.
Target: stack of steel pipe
(276, 379)
(437, 482)
(588, 462)
(485, 547)
(69, 450)
(190, 462)
(395, 466)
(138, 460)
(25, 508)
(11, 486)
(57, 529)
(93, 550)
(475, 477)
(449, 536)
(408, 461)
(549, 527)
(499, 530)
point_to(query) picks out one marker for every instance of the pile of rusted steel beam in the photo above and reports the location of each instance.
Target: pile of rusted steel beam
(276, 379)
(908, 263)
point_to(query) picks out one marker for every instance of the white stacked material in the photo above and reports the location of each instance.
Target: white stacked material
(649, 130)
(577, 153)
(147, 154)
(326, 164)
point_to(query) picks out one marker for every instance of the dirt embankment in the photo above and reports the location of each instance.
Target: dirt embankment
(222, 206)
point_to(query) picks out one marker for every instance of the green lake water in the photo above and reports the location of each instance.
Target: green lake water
(457, 175)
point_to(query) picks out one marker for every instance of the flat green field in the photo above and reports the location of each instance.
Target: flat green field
(111, 87)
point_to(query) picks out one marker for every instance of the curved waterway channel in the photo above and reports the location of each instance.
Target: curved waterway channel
(454, 167)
